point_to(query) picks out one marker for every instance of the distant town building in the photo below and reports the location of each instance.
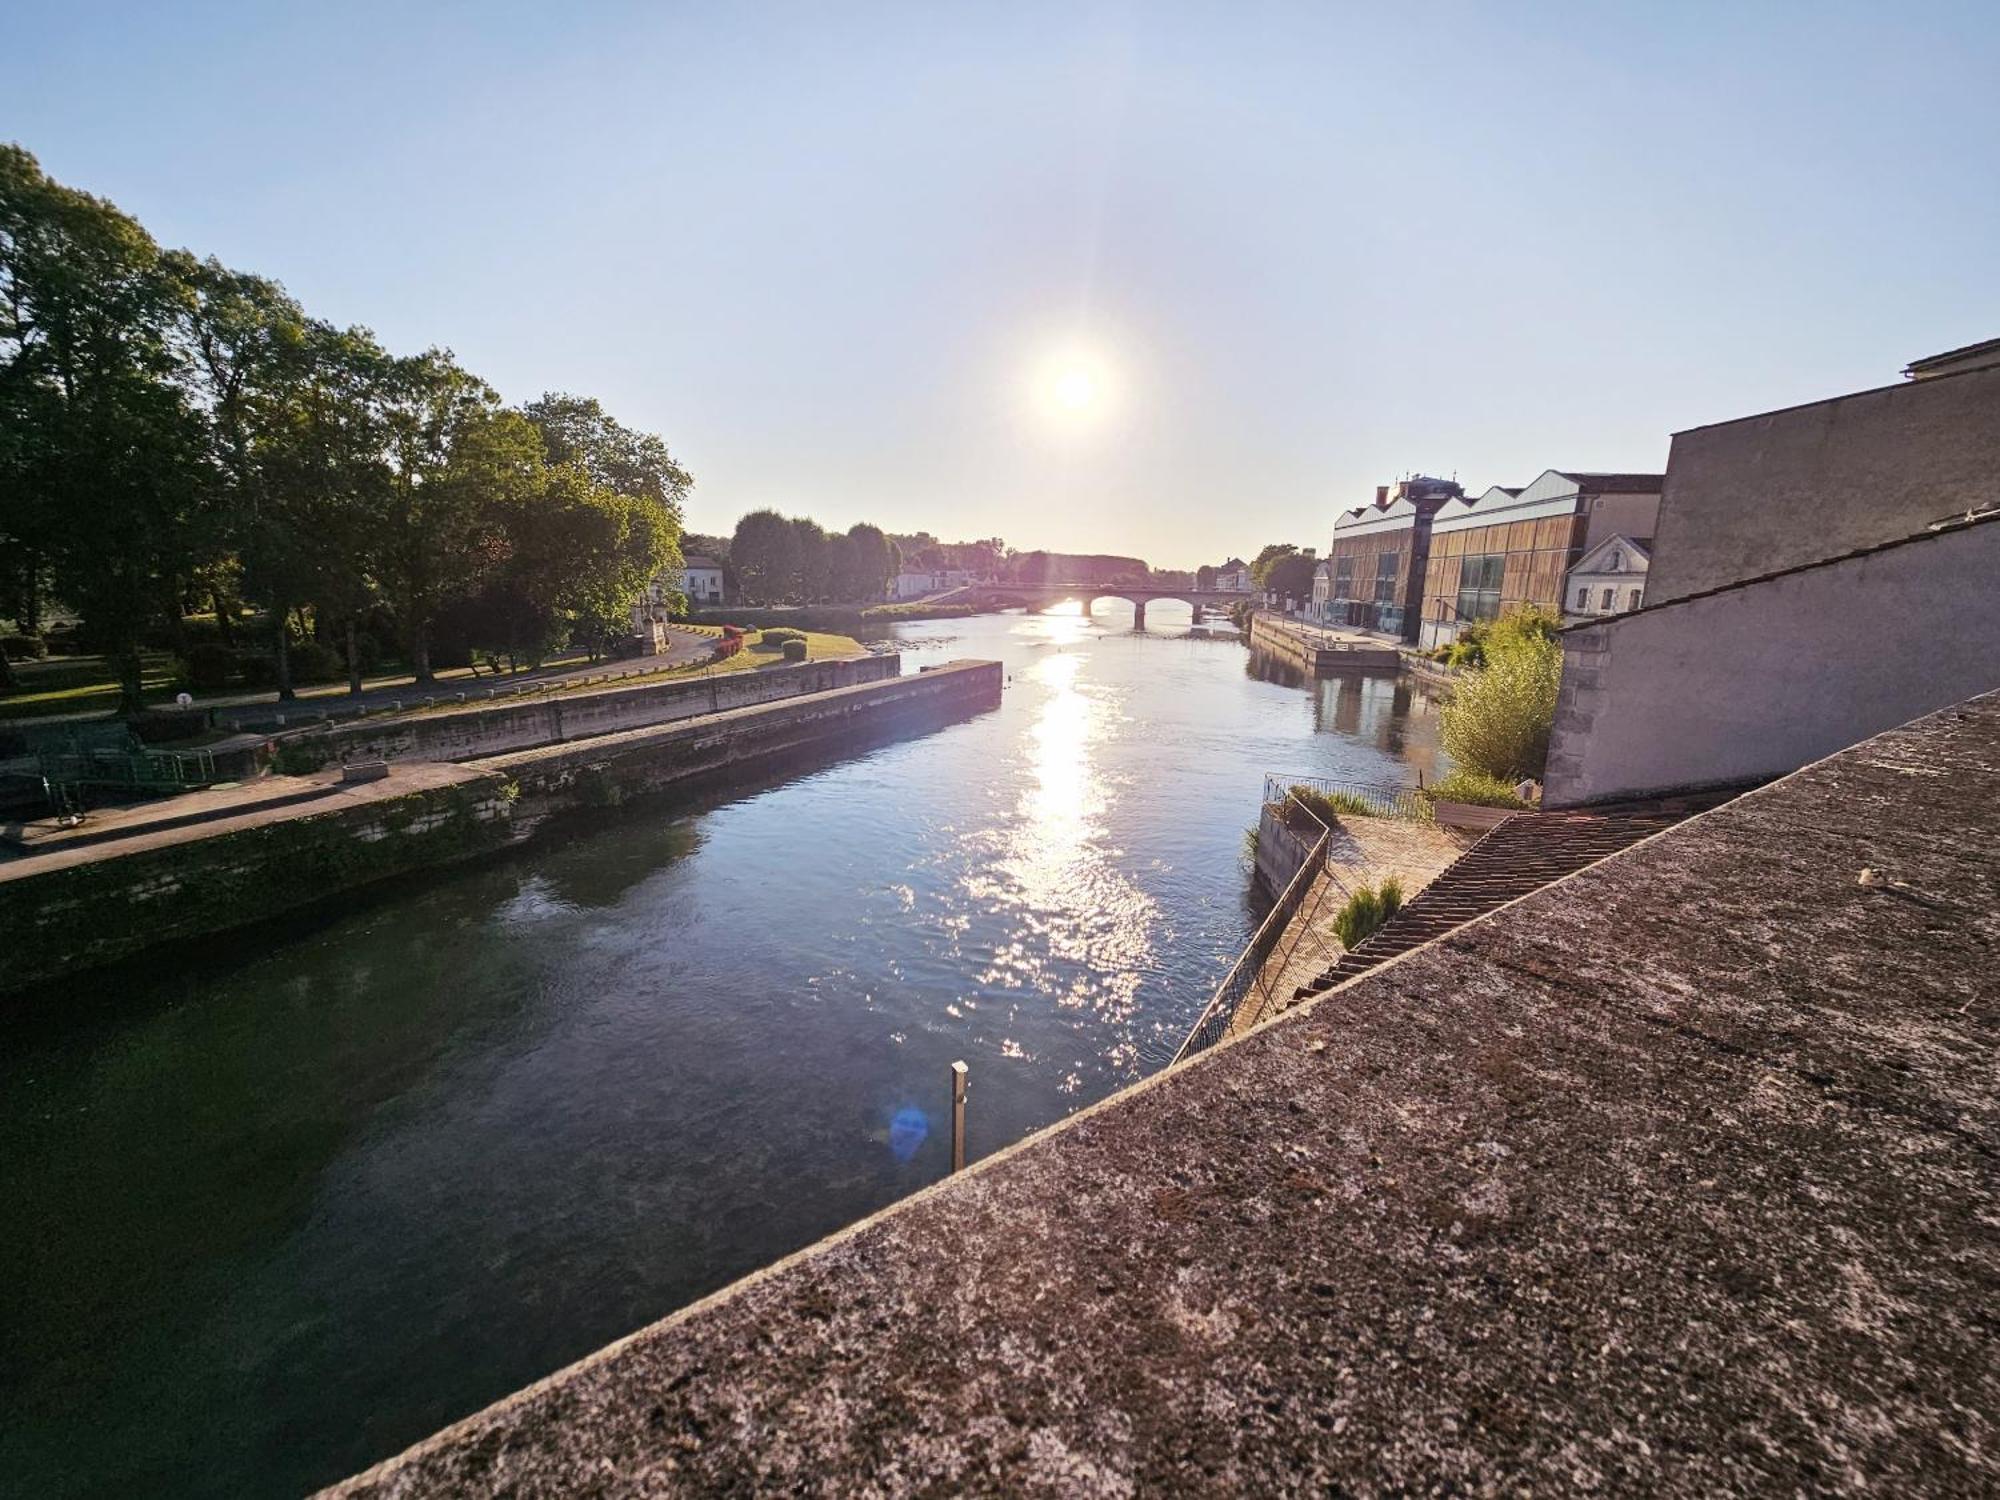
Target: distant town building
(1510, 547)
(1373, 575)
(1233, 577)
(1610, 578)
(1818, 574)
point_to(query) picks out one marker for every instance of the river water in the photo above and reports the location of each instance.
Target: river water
(276, 1212)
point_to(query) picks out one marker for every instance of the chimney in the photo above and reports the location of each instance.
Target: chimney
(1381, 494)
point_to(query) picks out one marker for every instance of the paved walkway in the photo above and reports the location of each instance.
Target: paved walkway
(117, 831)
(1363, 851)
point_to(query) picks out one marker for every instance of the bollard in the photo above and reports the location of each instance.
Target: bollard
(958, 1088)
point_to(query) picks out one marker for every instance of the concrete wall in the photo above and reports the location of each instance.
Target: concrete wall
(1620, 515)
(1755, 681)
(608, 769)
(1764, 493)
(468, 733)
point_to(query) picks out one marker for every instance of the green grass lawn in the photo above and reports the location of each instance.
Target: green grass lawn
(100, 694)
(755, 656)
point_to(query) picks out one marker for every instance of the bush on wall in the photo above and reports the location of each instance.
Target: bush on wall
(1498, 718)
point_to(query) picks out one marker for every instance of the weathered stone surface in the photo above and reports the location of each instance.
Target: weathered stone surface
(1678, 1177)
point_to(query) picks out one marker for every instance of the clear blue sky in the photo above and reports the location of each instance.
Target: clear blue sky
(839, 253)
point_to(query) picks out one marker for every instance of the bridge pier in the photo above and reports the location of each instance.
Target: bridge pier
(1138, 614)
(1086, 609)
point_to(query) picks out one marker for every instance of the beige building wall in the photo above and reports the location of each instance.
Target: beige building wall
(1773, 491)
(1757, 680)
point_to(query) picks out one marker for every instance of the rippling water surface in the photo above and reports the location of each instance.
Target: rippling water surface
(287, 1208)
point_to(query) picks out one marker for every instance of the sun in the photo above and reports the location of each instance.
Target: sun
(1075, 388)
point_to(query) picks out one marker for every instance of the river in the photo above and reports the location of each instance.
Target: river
(280, 1210)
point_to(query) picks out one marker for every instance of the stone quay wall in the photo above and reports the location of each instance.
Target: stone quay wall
(608, 769)
(518, 724)
(1318, 653)
(77, 910)
(81, 913)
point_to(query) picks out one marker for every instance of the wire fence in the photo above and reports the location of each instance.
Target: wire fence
(1243, 990)
(1363, 798)
(1293, 841)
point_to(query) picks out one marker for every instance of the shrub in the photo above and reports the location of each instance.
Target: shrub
(1525, 624)
(1475, 788)
(1366, 910)
(795, 650)
(300, 757)
(778, 636)
(727, 647)
(1498, 718)
(1468, 649)
(1330, 806)
(258, 669)
(313, 662)
(211, 665)
(23, 647)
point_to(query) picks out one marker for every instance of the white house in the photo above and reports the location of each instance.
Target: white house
(912, 584)
(1610, 578)
(701, 580)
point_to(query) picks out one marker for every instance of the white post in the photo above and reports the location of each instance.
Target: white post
(958, 1087)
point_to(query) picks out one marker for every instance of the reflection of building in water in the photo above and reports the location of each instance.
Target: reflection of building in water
(1394, 714)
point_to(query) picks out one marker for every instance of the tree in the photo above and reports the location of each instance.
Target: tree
(866, 561)
(1291, 576)
(576, 557)
(457, 460)
(813, 565)
(246, 357)
(765, 550)
(104, 455)
(1260, 567)
(1204, 578)
(577, 430)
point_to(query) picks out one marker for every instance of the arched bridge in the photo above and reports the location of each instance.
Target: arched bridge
(1038, 596)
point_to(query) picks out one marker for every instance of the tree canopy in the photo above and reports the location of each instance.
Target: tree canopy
(174, 433)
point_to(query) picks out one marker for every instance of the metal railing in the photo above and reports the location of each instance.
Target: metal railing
(1243, 984)
(1381, 800)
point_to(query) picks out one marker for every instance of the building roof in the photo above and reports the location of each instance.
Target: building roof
(699, 561)
(1615, 484)
(1970, 357)
(1675, 1177)
(1641, 547)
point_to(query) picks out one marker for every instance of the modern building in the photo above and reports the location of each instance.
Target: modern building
(1374, 571)
(1610, 578)
(1510, 547)
(1818, 574)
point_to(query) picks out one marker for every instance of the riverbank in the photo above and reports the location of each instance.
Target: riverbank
(68, 909)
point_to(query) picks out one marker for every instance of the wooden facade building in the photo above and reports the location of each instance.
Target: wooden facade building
(1510, 547)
